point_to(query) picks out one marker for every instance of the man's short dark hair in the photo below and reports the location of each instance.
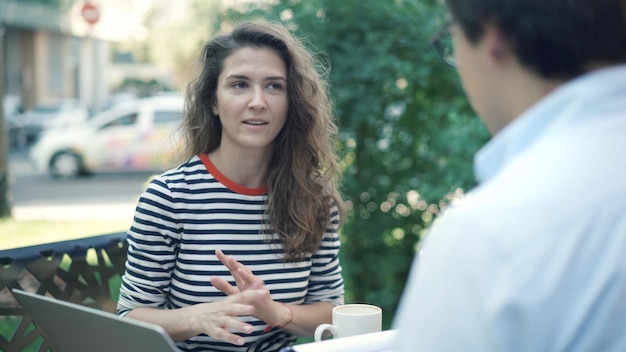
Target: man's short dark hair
(555, 38)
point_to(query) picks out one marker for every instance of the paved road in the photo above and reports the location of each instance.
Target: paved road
(106, 196)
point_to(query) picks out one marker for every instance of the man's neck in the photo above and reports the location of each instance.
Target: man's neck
(526, 88)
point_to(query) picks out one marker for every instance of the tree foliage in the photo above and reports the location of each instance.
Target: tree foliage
(408, 134)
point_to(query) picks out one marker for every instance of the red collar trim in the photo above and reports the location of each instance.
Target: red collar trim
(228, 182)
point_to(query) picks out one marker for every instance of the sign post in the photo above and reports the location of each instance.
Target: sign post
(5, 187)
(91, 15)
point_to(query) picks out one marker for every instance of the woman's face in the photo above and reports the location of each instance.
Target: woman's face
(251, 98)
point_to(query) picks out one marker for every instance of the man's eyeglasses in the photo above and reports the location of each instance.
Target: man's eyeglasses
(443, 44)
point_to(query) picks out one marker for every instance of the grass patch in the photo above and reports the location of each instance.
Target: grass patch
(23, 233)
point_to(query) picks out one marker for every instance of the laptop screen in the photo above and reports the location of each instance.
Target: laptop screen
(72, 327)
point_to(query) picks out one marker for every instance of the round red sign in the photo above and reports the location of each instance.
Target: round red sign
(90, 13)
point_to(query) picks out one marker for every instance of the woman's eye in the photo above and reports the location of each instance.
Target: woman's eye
(275, 86)
(239, 85)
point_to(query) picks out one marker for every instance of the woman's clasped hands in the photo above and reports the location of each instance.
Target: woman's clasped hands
(248, 297)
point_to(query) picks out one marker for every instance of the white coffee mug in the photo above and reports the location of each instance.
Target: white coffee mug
(352, 319)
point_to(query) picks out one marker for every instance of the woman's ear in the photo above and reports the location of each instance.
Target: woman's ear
(214, 108)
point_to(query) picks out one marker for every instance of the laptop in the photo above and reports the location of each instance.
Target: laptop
(70, 327)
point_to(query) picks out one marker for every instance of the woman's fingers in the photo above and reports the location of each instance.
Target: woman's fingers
(231, 263)
(251, 280)
(222, 330)
(224, 286)
(244, 277)
(219, 319)
(224, 335)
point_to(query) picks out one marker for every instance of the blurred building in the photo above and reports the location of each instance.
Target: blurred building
(51, 51)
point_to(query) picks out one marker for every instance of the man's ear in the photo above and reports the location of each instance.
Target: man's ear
(497, 48)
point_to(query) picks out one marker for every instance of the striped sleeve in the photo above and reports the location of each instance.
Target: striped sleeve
(152, 249)
(326, 282)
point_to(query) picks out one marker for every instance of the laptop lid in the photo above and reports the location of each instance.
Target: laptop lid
(75, 328)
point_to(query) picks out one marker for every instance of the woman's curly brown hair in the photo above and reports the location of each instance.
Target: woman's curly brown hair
(303, 171)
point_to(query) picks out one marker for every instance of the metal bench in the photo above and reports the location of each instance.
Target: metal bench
(86, 271)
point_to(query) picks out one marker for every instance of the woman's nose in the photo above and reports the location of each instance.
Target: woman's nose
(257, 99)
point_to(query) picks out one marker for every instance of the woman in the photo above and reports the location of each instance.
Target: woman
(238, 247)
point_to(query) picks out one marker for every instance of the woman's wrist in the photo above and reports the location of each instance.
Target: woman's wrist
(289, 315)
(286, 320)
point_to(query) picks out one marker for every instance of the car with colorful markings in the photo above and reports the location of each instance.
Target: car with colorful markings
(138, 135)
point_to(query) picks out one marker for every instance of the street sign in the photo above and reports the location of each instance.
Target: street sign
(90, 13)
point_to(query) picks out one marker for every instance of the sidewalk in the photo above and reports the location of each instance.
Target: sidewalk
(122, 211)
(108, 210)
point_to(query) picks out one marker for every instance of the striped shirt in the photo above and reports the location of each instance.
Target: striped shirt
(186, 214)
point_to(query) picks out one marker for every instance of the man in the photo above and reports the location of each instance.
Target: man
(534, 258)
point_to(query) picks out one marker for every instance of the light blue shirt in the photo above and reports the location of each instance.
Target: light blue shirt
(534, 258)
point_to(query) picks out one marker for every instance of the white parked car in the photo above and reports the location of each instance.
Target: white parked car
(139, 135)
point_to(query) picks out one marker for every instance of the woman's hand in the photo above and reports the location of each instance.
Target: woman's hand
(265, 308)
(217, 319)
